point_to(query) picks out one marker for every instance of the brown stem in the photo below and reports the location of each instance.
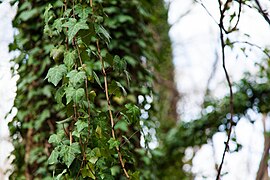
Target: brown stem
(86, 89)
(28, 147)
(262, 173)
(230, 87)
(265, 15)
(110, 111)
(91, 3)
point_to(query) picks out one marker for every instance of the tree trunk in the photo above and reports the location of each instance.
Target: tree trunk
(262, 173)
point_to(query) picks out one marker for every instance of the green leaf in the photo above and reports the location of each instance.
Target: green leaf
(99, 131)
(70, 153)
(134, 175)
(127, 76)
(80, 124)
(60, 94)
(133, 112)
(69, 59)
(56, 73)
(74, 27)
(97, 79)
(115, 88)
(42, 117)
(76, 78)
(103, 33)
(122, 124)
(53, 159)
(57, 53)
(94, 155)
(119, 64)
(69, 91)
(58, 24)
(47, 14)
(92, 95)
(86, 172)
(26, 15)
(125, 18)
(122, 87)
(113, 143)
(60, 175)
(73, 94)
(83, 11)
(79, 94)
(115, 170)
(54, 138)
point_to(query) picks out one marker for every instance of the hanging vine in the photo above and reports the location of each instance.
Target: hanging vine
(83, 65)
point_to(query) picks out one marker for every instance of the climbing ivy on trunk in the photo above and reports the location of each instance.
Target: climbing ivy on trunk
(83, 65)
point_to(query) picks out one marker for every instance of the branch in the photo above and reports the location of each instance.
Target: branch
(253, 45)
(262, 171)
(262, 12)
(229, 83)
(110, 111)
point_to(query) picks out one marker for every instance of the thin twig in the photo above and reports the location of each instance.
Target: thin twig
(110, 111)
(129, 138)
(265, 16)
(207, 11)
(86, 91)
(65, 9)
(252, 44)
(229, 83)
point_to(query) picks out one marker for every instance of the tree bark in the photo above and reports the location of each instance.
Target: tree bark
(262, 173)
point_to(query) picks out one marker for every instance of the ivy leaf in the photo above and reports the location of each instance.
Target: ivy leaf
(99, 131)
(79, 94)
(56, 73)
(94, 155)
(59, 95)
(115, 170)
(26, 15)
(103, 33)
(69, 59)
(92, 95)
(53, 157)
(58, 24)
(115, 88)
(125, 18)
(74, 27)
(87, 171)
(113, 143)
(69, 91)
(122, 87)
(76, 77)
(47, 14)
(60, 175)
(83, 11)
(133, 112)
(41, 118)
(122, 124)
(70, 153)
(119, 64)
(97, 79)
(73, 94)
(127, 76)
(55, 139)
(81, 125)
(57, 53)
